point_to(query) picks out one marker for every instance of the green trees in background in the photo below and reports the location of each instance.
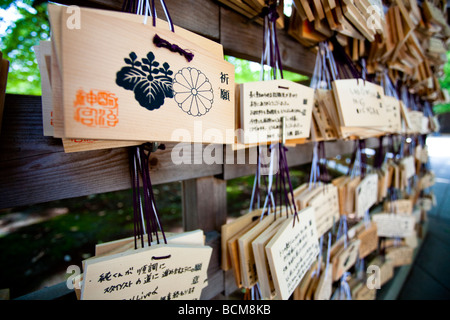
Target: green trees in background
(445, 84)
(247, 71)
(22, 26)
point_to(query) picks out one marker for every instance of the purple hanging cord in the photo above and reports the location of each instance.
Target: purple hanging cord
(166, 11)
(154, 216)
(362, 148)
(161, 43)
(144, 207)
(138, 228)
(270, 15)
(379, 159)
(284, 171)
(353, 158)
(345, 65)
(323, 171)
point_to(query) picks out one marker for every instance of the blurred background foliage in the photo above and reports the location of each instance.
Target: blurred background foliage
(23, 25)
(445, 83)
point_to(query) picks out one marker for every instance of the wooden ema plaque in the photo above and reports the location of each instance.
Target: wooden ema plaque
(345, 258)
(427, 180)
(366, 195)
(400, 256)
(132, 83)
(160, 272)
(230, 229)
(360, 103)
(292, 251)
(394, 225)
(386, 269)
(265, 280)
(425, 203)
(328, 106)
(362, 292)
(382, 183)
(326, 121)
(313, 285)
(233, 253)
(324, 288)
(326, 207)
(302, 198)
(393, 115)
(368, 240)
(350, 194)
(301, 290)
(122, 245)
(117, 246)
(416, 119)
(112, 249)
(44, 58)
(246, 256)
(52, 103)
(195, 237)
(341, 184)
(412, 241)
(408, 166)
(421, 154)
(403, 206)
(264, 103)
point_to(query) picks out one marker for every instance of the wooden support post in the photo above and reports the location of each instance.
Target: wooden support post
(205, 207)
(204, 203)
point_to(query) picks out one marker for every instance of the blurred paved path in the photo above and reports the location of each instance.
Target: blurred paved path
(429, 278)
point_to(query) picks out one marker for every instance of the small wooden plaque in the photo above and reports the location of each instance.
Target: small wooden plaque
(157, 272)
(292, 251)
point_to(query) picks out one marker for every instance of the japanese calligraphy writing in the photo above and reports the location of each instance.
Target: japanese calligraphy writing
(224, 93)
(224, 77)
(393, 114)
(394, 225)
(134, 275)
(263, 104)
(83, 140)
(360, 103)
(292, 251)
(326, 207)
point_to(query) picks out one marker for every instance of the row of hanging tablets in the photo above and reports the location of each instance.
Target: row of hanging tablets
(410, 37)
(345, 227)
(85, 84)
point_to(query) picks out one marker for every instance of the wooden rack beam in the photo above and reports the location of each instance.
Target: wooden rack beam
(35, 169)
